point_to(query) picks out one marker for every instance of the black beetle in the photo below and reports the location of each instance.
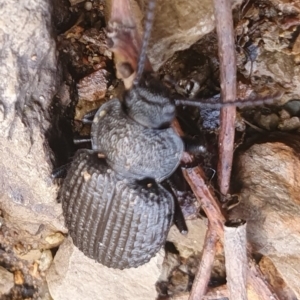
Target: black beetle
(115, 208)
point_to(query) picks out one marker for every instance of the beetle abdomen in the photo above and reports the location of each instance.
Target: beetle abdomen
(118, 223)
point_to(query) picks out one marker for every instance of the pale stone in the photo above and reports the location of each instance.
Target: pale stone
(273, 277)
(31, 255)
(28, 72)
(6, 281)
(55, 239)
(72, 275)
(45, 260)
(270, 202)
(192, 243)
(177, 25)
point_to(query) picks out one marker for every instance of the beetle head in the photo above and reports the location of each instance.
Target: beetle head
(148, 103)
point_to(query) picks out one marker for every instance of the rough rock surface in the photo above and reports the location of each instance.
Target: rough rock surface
(6, 282)
(192, 243)
(74, 276)
(273, 277)
(177, 25)
(271, 205)
(29, 77)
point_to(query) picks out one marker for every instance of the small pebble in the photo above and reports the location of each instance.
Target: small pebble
(19, 278)
(293, 107)
(55, 239)
(45, 260)
(269, 122)
(88, 5)
(284, 114)
(6, 281)
(290, 124)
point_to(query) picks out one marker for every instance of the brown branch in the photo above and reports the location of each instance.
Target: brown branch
(205, 267)
(195, 178)
(235, 247)
(226, 46)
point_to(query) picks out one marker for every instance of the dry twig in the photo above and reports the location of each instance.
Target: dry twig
(235, 248)
(205, 267)
(226, 43)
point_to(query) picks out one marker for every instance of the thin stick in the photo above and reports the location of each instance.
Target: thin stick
(195, 178)
(226, 43)
(235, 247)
(203, 274)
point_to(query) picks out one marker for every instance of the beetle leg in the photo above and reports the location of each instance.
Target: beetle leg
(61, 172)
(88, 117)
(82, 139)
(178, 219)
(193, 146)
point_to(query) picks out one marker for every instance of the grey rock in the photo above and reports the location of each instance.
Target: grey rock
(290, 124)
(192, 243)
(74, 276)
(45, 260)
(270, 204)
(293, 107)
(6, 281)
(28, 74)
(177, 25)
(269, 122)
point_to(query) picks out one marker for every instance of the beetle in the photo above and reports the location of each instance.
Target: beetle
(115, 208)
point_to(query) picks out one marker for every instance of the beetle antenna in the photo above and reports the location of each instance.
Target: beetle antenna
(212, 102)
(147, 32)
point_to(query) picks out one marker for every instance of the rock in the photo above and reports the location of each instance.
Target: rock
(177, 25)
(278, 66)
(284, 114)
(31, 256)
(293, 107)
(88, 5)
(288, 268)
(269, 122)
(29, 79)
(290, 124)
(287, 6)
(274, 279)
(74, 276)
(6, 282)
(28, 69)
(93, 87)
(28, 63)
(55, 239)
(18, 277)
(268, 174)
(45, 260)
(192, 243)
